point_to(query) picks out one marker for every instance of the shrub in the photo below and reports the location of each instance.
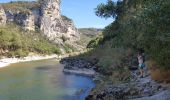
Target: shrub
(160, 75)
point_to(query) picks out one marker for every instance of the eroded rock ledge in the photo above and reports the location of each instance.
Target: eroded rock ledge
(78, 66)
(137, 89)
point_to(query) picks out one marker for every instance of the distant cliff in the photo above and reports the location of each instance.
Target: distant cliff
(43, 16)
(57, 28)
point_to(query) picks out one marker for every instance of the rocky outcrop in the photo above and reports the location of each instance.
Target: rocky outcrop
(2, 16)
(26, 20)
(52, 24)
(9, 15)
(136, 89)
(72, 33)
(78, 66)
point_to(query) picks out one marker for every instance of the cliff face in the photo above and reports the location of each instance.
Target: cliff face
(26, 20)
(72, 33)
(2, 16)
(57, 28)
(46, 17)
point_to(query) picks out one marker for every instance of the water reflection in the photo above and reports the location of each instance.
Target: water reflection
(41, 80)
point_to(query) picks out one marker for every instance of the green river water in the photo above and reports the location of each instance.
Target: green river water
(42, 80)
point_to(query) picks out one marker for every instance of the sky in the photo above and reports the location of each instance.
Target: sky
(81, 12)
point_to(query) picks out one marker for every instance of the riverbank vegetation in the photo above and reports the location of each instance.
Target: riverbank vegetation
(14, 41)
(139, 26)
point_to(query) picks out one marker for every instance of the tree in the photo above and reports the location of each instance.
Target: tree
(110, 9)
(139, 24)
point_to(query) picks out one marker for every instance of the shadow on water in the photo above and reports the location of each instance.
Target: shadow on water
(43, 68)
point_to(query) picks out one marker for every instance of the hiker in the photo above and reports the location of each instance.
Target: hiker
(141, 64)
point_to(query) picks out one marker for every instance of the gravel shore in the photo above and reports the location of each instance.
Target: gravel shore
(7, 61)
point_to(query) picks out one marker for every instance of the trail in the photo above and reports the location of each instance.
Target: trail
(154, 91)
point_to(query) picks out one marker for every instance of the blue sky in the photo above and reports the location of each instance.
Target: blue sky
(82, 12)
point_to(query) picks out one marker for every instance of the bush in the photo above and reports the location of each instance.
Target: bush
(160, 75)
(94, 42)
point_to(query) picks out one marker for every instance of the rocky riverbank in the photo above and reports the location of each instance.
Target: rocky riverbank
(135, 89)
(78, 66)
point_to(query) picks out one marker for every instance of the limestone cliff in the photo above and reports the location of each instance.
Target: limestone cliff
(26, 20)
(72, 32)
(57, 28)
(2, 16)
(46, 17)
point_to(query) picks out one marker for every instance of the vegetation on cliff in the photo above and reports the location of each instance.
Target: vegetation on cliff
(20, 5)
(14, 41)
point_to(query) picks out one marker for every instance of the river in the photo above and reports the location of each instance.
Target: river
(42, 80)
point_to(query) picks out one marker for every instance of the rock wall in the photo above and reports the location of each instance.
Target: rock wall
(72, 33)
(2, 16)
(26, 20)
(36, 14)
(9, 15)
(52, 24)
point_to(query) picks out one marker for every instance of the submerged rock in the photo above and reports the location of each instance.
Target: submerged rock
(84, 72)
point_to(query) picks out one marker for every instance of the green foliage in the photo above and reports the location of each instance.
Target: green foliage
(105, 65)
(66, 18)
(22, 6)
(93, 43)
(140, 24)
(17, 42)
(68, 48)
(107, 10)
